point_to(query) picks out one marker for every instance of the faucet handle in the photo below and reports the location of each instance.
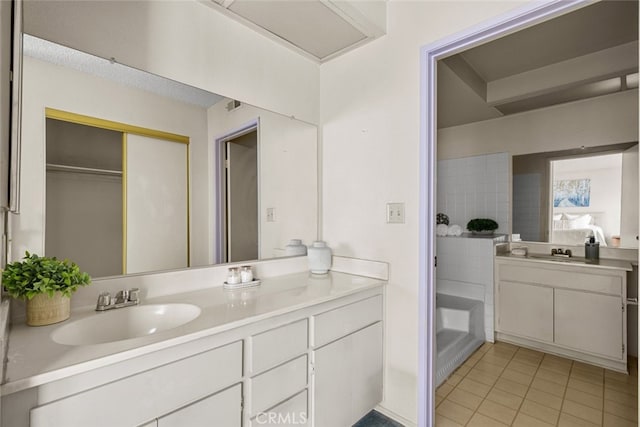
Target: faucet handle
(104, 299)
(134, 294)
(122, 296)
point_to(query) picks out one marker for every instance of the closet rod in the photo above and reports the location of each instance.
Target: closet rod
(79, 169)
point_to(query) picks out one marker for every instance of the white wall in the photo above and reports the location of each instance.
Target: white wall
(288, 173)
(604, 120)
(370, 118)
(47, 85)
(185, 41)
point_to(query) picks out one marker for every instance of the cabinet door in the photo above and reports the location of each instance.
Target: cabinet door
(589, 322)
(525, 310)
(220, 409)
(348, 377)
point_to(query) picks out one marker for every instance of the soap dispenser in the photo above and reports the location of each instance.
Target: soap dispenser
(592, 249)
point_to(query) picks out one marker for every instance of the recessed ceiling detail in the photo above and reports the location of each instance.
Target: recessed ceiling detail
(587, 53)
(321, 29)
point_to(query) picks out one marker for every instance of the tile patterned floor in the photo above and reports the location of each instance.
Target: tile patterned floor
(505, 385)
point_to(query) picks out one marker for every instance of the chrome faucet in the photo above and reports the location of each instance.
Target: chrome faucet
(561, 252)
(123, 298)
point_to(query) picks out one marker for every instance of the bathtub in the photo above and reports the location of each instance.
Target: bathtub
(459, 332)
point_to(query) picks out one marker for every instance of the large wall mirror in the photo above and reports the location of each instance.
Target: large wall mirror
(566, 197)
(127, 172)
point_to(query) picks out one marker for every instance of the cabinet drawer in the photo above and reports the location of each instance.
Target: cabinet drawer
(276, 385)
(290, 412)
(342, 321)
(154, 392)
(571, 277)
(278, 345)
(220, 409)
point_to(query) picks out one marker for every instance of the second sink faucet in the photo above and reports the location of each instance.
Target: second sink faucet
(561, 252)
(123, 298)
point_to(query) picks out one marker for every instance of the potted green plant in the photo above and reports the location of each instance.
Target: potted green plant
(482, 226)
(46, 284)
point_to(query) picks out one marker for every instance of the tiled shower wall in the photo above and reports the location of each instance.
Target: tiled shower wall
(475, 187)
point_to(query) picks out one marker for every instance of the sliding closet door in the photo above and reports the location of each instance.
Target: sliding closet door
(156, 204)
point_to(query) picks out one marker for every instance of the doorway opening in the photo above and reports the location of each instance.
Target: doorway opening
(238, 223)
(430, 56)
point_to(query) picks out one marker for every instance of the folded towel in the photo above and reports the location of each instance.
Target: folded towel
(454, 230)
(441, 230)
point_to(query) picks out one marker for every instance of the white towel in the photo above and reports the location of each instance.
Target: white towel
(454, 230)
(441, 230)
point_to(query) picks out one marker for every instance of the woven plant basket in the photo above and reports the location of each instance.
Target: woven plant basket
(45, 310)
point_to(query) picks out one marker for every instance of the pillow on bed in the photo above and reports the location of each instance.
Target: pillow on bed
(578, 221)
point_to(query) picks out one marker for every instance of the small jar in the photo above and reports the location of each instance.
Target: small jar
(233, 276)
(294, 248)
(246, 274)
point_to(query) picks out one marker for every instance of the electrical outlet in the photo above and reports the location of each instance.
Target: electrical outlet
(271, 214)
(395, 213)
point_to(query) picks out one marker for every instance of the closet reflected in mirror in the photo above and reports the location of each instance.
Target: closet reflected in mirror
(110, 207)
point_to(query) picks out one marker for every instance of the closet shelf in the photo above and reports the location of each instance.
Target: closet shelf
(79, 169)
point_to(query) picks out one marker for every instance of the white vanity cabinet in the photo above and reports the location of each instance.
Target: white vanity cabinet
(151, 394)
(569, 308)
(320, 365)
(277, 364)
(347, 362)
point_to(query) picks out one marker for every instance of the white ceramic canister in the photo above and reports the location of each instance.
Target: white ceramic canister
(295, 247)
(319, 255)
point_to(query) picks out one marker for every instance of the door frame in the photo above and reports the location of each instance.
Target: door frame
(503, 25)
(219, 205)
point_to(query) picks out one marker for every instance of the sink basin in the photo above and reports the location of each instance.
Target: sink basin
(125, 323)
(559, 259)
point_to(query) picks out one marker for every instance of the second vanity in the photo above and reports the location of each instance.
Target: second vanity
(298, 350)
(571, 307)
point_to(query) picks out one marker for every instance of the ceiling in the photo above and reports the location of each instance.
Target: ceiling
(60, 55)
(318, 29)
(589, 52)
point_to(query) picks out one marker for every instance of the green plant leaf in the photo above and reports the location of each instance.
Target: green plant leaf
(37, 275)
(482, 224)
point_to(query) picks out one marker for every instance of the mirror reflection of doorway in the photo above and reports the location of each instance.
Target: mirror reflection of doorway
(241, 197)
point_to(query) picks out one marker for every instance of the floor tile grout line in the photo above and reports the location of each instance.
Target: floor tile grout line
(564, 395)
(492, 387)
(529, 387)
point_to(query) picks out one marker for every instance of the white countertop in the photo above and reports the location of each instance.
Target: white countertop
(34, 358)
(607, 263)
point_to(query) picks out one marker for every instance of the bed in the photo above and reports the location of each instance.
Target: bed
(575, 229)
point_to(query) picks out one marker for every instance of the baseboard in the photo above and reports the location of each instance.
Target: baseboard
(395, 417)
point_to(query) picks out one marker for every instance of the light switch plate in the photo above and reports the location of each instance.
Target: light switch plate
(271, 214)
(395, 213)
